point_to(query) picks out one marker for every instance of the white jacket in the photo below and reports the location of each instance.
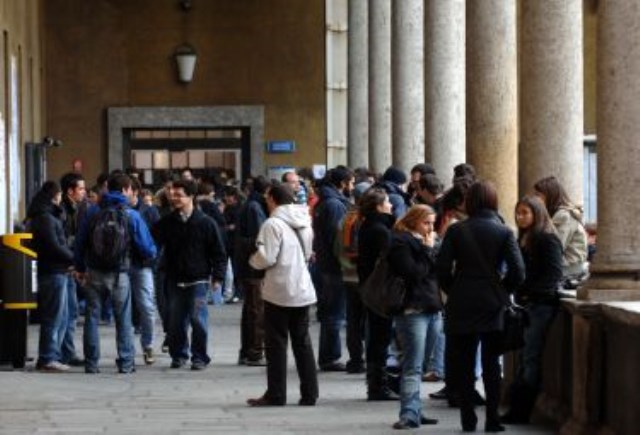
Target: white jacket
(280, 252)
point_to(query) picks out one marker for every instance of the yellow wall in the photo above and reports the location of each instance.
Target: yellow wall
(119, 53)
(20, 46)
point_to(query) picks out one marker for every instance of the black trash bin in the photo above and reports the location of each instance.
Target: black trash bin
(18, 295)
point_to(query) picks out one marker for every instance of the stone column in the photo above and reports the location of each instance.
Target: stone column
(408, 83)
(358, 108)
(379, 84)
(492, 133)
(445, 137)
(616, 267)
(551, 98)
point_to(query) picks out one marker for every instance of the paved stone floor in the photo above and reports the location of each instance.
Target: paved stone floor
(158, 399)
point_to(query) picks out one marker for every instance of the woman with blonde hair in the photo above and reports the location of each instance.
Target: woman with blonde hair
(412, 257)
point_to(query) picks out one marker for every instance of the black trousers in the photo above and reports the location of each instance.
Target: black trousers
(252, 321)
(356, 317)
(461, 374)
(379, 334)
(280, 323)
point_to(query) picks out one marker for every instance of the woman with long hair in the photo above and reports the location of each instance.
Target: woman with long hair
(479, 262)
(542, 253)
(567, 219)
(412, 257)
(374, 238)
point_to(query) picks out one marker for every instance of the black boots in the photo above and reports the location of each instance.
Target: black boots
(378, 384)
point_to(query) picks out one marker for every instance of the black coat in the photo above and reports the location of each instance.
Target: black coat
(250, 218)
(472, 254)
(543, 265)
(49, 240)
(193, 250)
(331, 209)
(374, 237)
(410, 259)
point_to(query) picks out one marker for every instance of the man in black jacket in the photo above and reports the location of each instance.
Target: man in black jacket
(74, 204)
(54, 262)
(195, 259)
(250, 218)
(333, 206)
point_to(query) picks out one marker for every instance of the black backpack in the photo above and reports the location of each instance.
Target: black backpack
(109, 238)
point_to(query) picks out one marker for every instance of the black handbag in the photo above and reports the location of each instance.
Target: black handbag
(516, 320)
(383, 292)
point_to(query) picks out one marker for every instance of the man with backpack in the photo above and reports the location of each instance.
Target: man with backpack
(109, 235)
(195, 260)
(330, 211)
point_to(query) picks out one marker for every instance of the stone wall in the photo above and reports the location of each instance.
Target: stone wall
(118, 53)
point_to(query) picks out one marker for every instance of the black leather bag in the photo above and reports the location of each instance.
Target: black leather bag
(383, 292)
(516, 320)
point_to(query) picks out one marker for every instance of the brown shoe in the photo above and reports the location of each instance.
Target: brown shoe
(431, 377)
(263, 401)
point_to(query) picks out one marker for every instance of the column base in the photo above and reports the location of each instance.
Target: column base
(575, 427)
(608, 295)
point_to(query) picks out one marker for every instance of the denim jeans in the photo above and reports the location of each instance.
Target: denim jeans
(101, 283)
(434, 348)
(188, 306)
(412, 332)
(540, 318)
(67, 346)
(142, 289)
(52, 306)
(332, 303)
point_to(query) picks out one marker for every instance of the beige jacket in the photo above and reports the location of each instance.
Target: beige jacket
(574, 240)
(284, 247)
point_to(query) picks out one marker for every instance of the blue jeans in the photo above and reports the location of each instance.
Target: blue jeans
(332, 306)
(142, 289)
(101, 283)
(52, 306)
(188, 306)
(434, 348)
(540, 318)
(412, 333)
(67, 346)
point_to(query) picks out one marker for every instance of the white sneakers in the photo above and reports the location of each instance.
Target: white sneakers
(54, 367)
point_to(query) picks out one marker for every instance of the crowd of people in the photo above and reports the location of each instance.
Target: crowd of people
(297, 243)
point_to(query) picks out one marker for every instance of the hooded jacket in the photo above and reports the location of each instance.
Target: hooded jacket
(283, 249)
(328, 213)
(568, 223)
(49, 240)
(141, 242)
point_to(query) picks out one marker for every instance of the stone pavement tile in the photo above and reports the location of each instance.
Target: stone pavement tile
(160, 400)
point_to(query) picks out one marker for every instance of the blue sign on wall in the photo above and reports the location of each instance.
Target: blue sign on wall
(281, 146)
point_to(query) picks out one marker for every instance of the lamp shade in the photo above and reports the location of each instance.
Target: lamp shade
(186, 58)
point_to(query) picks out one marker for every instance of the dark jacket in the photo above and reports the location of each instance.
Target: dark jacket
(141, 241)
(193, 250)
(543, 266)
(231, 216)
(328, 213)
(410, 259)
(150, 215)
(478, 247)
(73, 214)
(374, 238)
(49, 240)
(400, 200)
(250, 218)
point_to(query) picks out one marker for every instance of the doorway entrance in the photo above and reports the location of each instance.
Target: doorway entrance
(227, 135)
(154, 151)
